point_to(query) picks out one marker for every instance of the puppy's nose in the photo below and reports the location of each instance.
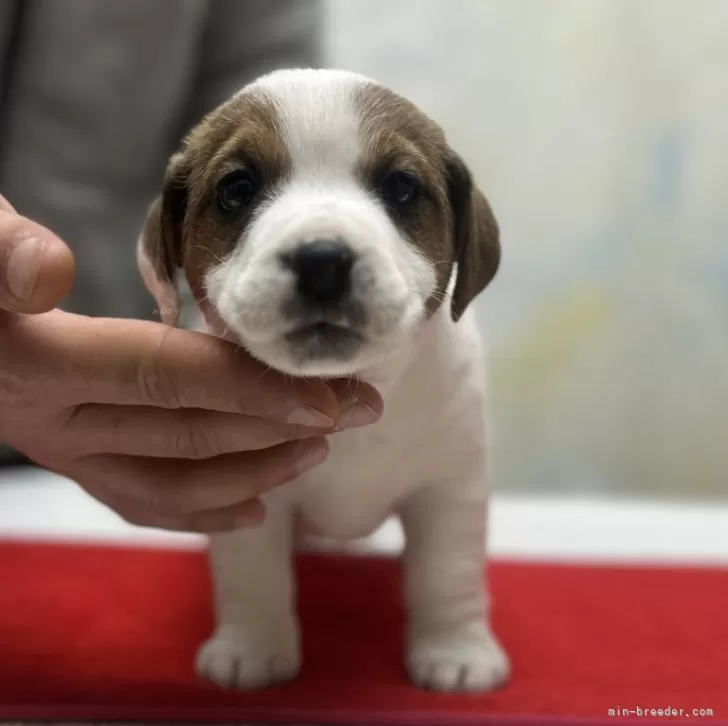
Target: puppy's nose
(323, 270)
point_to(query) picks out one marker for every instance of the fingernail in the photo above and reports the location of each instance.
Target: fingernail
(310, 417)
(359, 413)
(23, 267)
(309, 454)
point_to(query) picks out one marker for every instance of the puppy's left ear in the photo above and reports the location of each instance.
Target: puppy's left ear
(476, 236)
(160, 245)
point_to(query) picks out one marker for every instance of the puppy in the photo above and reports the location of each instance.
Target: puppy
(324, 223)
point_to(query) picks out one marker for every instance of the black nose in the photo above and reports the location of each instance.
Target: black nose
(323, 270)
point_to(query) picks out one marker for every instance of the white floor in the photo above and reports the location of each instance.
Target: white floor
(35, 504)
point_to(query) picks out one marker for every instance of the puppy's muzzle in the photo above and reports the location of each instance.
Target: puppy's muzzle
(327, 318)
(323, 270)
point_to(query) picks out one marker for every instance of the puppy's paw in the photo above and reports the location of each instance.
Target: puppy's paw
(249, 658)
(465, 657)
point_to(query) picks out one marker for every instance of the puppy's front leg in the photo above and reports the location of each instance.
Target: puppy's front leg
(450, 643)
(256, 643)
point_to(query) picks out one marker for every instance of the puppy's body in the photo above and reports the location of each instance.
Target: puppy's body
(334, 266)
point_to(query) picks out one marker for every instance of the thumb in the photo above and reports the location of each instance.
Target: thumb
(36, 268)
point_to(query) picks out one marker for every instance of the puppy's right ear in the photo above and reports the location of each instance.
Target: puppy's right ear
(159, 249)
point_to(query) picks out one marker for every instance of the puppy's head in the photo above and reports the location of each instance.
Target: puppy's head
(318, 218)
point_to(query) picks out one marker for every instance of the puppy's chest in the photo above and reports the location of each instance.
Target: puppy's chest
(368, 471)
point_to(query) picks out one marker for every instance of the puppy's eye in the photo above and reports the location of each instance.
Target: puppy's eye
(400, 189)
(236, 191)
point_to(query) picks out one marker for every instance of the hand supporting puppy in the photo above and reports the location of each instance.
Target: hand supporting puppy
(170, 428)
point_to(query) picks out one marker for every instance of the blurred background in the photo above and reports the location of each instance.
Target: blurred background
(599, 131)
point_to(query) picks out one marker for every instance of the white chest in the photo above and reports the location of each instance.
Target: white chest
(431, 429)
(366, 473)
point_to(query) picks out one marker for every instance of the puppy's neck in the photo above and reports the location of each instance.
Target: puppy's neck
(385, 375)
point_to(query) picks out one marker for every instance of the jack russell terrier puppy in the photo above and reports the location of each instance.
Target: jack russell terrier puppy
(324, 224)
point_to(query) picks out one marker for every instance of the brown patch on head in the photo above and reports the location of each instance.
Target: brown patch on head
(185, 227)
(451, 221)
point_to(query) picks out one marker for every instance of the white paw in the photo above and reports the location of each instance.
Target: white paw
(249, 658)
(466, 657)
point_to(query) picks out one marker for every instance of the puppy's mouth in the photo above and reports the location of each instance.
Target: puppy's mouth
(324, 334)
(324, 340)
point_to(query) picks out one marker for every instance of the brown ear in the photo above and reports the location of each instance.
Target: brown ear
(476, 237)
(159, 249)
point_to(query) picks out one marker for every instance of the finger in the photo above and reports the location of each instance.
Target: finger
(177, 489)
(5, 205)
(178, 433)
(133, 362)
(360, 404)
(247, 514)
(142, 363)
(36, 267)
(71, 358)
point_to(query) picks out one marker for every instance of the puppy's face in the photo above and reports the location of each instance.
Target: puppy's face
(318, 217)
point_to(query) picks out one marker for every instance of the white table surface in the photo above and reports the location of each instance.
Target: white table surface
(36, 504)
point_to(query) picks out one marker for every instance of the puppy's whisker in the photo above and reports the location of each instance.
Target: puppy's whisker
(263, 372)
(226, 331)
(208, 251)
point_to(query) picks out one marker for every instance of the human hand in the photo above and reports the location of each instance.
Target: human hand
(170, 428)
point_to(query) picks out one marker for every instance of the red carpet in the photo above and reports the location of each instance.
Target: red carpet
(104, 633)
